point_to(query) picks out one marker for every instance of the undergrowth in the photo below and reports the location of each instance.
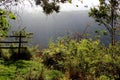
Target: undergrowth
(66, 59)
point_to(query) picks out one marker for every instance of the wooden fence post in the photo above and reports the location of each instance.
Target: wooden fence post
(19, 44)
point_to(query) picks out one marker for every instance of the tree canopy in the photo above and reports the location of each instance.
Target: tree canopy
(4, 24)
(108, 14)
(48, 6)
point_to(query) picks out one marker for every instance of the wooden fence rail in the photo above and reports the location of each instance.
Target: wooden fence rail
(19, 42)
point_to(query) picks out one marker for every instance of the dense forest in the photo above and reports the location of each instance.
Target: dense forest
(67, 58)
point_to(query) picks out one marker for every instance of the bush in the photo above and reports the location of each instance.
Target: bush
(52, 75)
(85, 59)
(4, 54)
(12, 54)
(66, 59)
(24, 54)
(21, 70)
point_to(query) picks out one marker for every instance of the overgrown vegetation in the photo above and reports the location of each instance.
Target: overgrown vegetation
(67, 59)
(83, 60)
(4, 24)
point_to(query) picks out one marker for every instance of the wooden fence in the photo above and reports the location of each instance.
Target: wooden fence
(19, 42)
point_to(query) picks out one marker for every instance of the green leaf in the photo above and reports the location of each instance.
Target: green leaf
(104, 32)
(70, 1)
(97, 31)
(12, 16)
(1, 12)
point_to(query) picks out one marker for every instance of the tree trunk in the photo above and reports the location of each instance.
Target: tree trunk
(113, 37)
(112, 24)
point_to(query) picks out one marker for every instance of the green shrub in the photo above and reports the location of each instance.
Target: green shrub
(21, 70)
(12, 54)
(4, 54)
(52, 75)
(66, 59)
(24, 54)
(83, 59)
(103, 77)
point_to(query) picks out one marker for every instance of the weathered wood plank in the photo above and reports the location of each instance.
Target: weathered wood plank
(13, 36)
(13, 42)
(12, 47)
(20, 42)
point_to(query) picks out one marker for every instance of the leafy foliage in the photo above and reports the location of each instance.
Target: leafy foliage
(48, 6)
(85, 59)
(4, 24)
(67, 59)
(12, 54)
(20, 70)
(25, 52)
(108, 14)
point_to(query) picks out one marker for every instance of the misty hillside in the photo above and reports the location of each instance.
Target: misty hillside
(55, 25)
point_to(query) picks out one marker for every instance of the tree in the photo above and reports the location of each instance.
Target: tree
(108, 14)
(48, 6)
(4, 24)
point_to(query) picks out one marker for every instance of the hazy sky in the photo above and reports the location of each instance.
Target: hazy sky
(81, 6)
(75, 5)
